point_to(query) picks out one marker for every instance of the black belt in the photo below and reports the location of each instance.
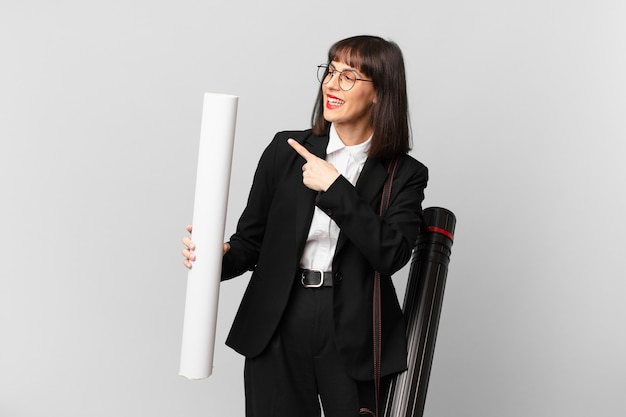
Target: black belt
(315, 279)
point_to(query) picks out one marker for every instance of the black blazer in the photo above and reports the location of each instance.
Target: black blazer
(272, 231)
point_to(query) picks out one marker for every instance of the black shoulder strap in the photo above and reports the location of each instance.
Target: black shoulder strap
(376, 301)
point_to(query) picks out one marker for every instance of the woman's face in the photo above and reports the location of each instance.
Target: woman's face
(350, 109)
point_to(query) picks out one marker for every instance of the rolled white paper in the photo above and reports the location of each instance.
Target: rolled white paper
(217, 133)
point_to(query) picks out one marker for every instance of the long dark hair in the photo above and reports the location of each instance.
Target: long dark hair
(381, 61)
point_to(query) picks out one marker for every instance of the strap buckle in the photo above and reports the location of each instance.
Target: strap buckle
(314, 271)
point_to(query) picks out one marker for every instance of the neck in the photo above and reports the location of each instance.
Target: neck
(353, 135)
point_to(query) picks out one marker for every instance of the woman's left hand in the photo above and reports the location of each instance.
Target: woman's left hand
(317, 174)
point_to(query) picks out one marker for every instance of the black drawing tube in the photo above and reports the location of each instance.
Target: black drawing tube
(422, 308)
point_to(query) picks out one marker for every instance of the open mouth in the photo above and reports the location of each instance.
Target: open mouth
(333, 102)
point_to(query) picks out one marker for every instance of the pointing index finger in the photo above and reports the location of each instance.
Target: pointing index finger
(302, 151)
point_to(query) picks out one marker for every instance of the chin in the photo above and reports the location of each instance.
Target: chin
(330, 116)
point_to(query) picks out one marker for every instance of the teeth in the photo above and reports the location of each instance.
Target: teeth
(335, 101)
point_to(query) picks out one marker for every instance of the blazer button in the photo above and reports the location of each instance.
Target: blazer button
(329, 212)
(338, 276)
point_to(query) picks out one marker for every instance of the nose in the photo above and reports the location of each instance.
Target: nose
(333, 84)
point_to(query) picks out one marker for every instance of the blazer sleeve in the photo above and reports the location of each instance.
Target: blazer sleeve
(245, 244)
(386, 242)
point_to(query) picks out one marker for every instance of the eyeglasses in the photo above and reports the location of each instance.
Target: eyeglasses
(347, 77)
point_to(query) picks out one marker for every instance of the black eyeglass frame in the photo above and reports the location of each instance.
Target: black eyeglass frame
(322, 75)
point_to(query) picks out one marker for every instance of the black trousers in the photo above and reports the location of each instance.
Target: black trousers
(301, 366)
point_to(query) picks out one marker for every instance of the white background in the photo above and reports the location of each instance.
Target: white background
(518, 109)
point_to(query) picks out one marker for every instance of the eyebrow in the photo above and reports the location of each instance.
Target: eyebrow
(330, 64)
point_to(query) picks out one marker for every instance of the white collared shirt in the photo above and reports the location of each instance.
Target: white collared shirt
(322, 239)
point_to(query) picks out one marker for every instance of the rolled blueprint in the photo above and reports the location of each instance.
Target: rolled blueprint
(422, 308)
(217, 133)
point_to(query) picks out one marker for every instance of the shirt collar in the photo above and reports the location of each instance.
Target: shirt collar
(358, 152)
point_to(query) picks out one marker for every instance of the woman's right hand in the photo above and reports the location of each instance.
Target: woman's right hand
(190, 247)
(188, 251)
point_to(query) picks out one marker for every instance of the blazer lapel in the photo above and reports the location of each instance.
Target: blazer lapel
(368, 186)
(305, 197)
(372, 179)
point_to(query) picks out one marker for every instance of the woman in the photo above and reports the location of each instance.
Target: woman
(316, 230)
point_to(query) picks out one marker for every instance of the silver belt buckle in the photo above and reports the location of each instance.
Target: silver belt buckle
(313, 285)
